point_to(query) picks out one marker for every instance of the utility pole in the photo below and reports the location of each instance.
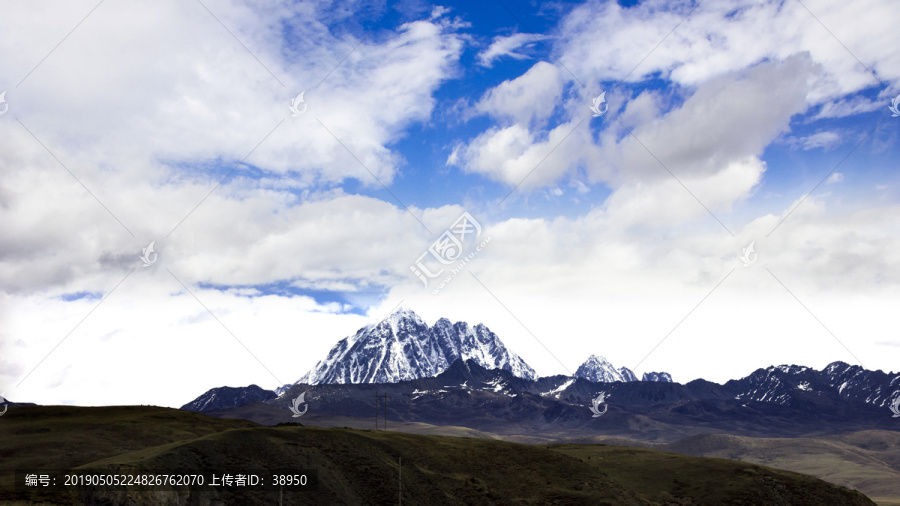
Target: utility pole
(376, 410)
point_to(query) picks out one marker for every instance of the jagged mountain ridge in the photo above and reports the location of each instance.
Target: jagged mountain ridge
(663, 377)
(404, 356)
(403, 347)
(467, 394)
(786, 384)
(598, 369)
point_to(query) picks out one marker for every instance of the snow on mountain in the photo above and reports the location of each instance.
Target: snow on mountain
(657, 376)
(598, 369)
(403, 347)
(627, 375)
(780, 384)
(558, 390)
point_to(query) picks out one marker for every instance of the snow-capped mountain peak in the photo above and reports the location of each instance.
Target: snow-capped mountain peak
(403, 347)
(663, 377)
(402, 318)
(598, 369)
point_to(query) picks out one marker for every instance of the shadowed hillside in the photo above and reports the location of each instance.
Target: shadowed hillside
(362, 466)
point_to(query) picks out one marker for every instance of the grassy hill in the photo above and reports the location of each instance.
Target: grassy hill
(362, 466)
(867, 461)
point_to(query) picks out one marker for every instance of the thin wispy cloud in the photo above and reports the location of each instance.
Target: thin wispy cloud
(506, 46)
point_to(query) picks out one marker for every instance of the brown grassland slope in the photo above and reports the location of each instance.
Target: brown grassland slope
(363, 466)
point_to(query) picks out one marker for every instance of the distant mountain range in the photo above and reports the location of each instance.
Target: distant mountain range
(783, 401)
(403, 347)
(453, 373)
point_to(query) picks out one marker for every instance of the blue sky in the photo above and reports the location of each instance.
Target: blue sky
(624, 235)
